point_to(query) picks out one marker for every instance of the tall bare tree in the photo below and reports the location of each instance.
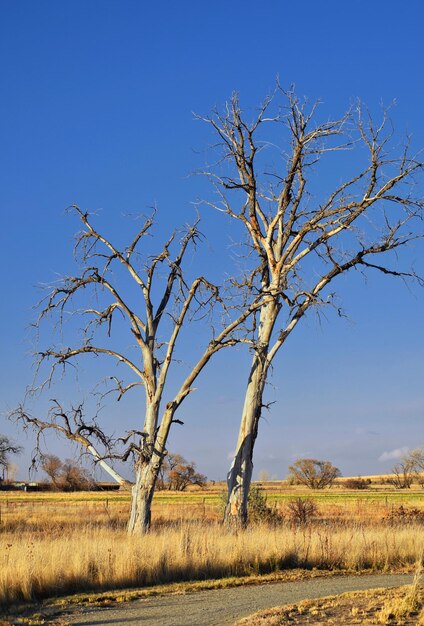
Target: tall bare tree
(301, 238)
(155, 300)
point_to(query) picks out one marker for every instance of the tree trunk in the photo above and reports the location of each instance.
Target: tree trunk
(240, 474)
(142, 496)
(147, 468)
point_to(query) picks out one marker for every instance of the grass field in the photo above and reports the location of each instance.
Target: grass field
(56, 543)
(34, 510)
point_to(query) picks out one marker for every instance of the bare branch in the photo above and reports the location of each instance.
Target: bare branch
(72, 425)
(299, 243)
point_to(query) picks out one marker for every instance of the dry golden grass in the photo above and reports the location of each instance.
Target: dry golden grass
(38, 511)
(56, 544)
(359, 608)
(403, 606)
(47, 512)
(35, 565)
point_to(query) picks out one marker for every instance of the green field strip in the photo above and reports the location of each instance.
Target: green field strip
(379, 497)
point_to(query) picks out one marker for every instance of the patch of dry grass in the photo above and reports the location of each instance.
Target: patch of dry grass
(366, 608)
(406, 605)
(56, 544)
(36, 565)
(48, 512)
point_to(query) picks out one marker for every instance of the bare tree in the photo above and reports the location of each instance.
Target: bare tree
(7, 448)
(415, 458)
(403, 474)
(313, 473)
(408, 468)
(177, 473)
(52, 466)
(74, 477)
(155, 300)
(300, 241)
(68, 475)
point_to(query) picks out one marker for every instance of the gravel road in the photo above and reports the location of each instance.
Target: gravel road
(222, 607)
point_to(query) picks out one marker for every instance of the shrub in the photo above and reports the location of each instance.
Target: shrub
(301, 510)
(357, 483)
(259, 509)
(405, 516)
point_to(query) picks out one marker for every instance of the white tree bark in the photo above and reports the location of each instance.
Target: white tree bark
(301, 242)
(240, 474)
(141, 497)
(165, 295)
(108, 468)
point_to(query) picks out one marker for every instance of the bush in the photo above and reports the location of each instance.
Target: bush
(259, 509)
(357, 483)
(405, 517)
(301, 511)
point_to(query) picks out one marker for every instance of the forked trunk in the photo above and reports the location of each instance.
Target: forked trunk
(142, 496)
(147, 469)
(240, 474)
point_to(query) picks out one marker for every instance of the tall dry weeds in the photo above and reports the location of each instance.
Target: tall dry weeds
(36, 565)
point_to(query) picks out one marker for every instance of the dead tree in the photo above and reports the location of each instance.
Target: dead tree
(414, 462)
(403, 474)
(155, 301)
(7, 448)
(301, 240)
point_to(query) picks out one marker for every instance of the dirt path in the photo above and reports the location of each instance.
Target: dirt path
(222, 607)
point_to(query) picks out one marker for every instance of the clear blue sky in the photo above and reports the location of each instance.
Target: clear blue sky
(97, 108)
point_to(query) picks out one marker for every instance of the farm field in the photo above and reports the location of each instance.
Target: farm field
(56, 543)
